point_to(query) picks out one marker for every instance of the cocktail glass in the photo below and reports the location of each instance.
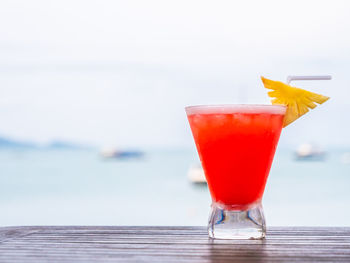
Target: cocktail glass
(236, 145)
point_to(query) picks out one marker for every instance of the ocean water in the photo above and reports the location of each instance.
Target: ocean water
(75, 187)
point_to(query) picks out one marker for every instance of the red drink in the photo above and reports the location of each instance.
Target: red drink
(236, 145)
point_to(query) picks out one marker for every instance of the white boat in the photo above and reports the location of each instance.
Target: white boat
(345, 158)
(310, 152)
(120, 154)
(196, 174)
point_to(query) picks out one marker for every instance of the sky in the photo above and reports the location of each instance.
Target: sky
(121, 72)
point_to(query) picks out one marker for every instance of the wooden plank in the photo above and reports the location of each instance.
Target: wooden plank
(169, 244)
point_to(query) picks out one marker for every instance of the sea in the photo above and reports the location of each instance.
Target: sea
(79, 187)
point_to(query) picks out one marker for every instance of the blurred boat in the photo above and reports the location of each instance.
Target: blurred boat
(120, 154)
(310, 152)
(196, 174)
(345, 158)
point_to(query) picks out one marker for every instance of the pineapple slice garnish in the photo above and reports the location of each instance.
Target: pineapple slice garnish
(298, 101)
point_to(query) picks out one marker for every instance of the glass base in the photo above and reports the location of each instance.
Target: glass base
(237, 224)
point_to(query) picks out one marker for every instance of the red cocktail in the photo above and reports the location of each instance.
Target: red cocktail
(236, 145)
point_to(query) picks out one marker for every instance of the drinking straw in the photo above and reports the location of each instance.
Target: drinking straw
(321, 77)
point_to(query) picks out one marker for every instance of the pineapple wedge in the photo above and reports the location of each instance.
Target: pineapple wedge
(298, 101)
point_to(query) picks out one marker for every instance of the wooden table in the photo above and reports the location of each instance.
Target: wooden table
(169, 244)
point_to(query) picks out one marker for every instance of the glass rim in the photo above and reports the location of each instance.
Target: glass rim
(235, 108)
